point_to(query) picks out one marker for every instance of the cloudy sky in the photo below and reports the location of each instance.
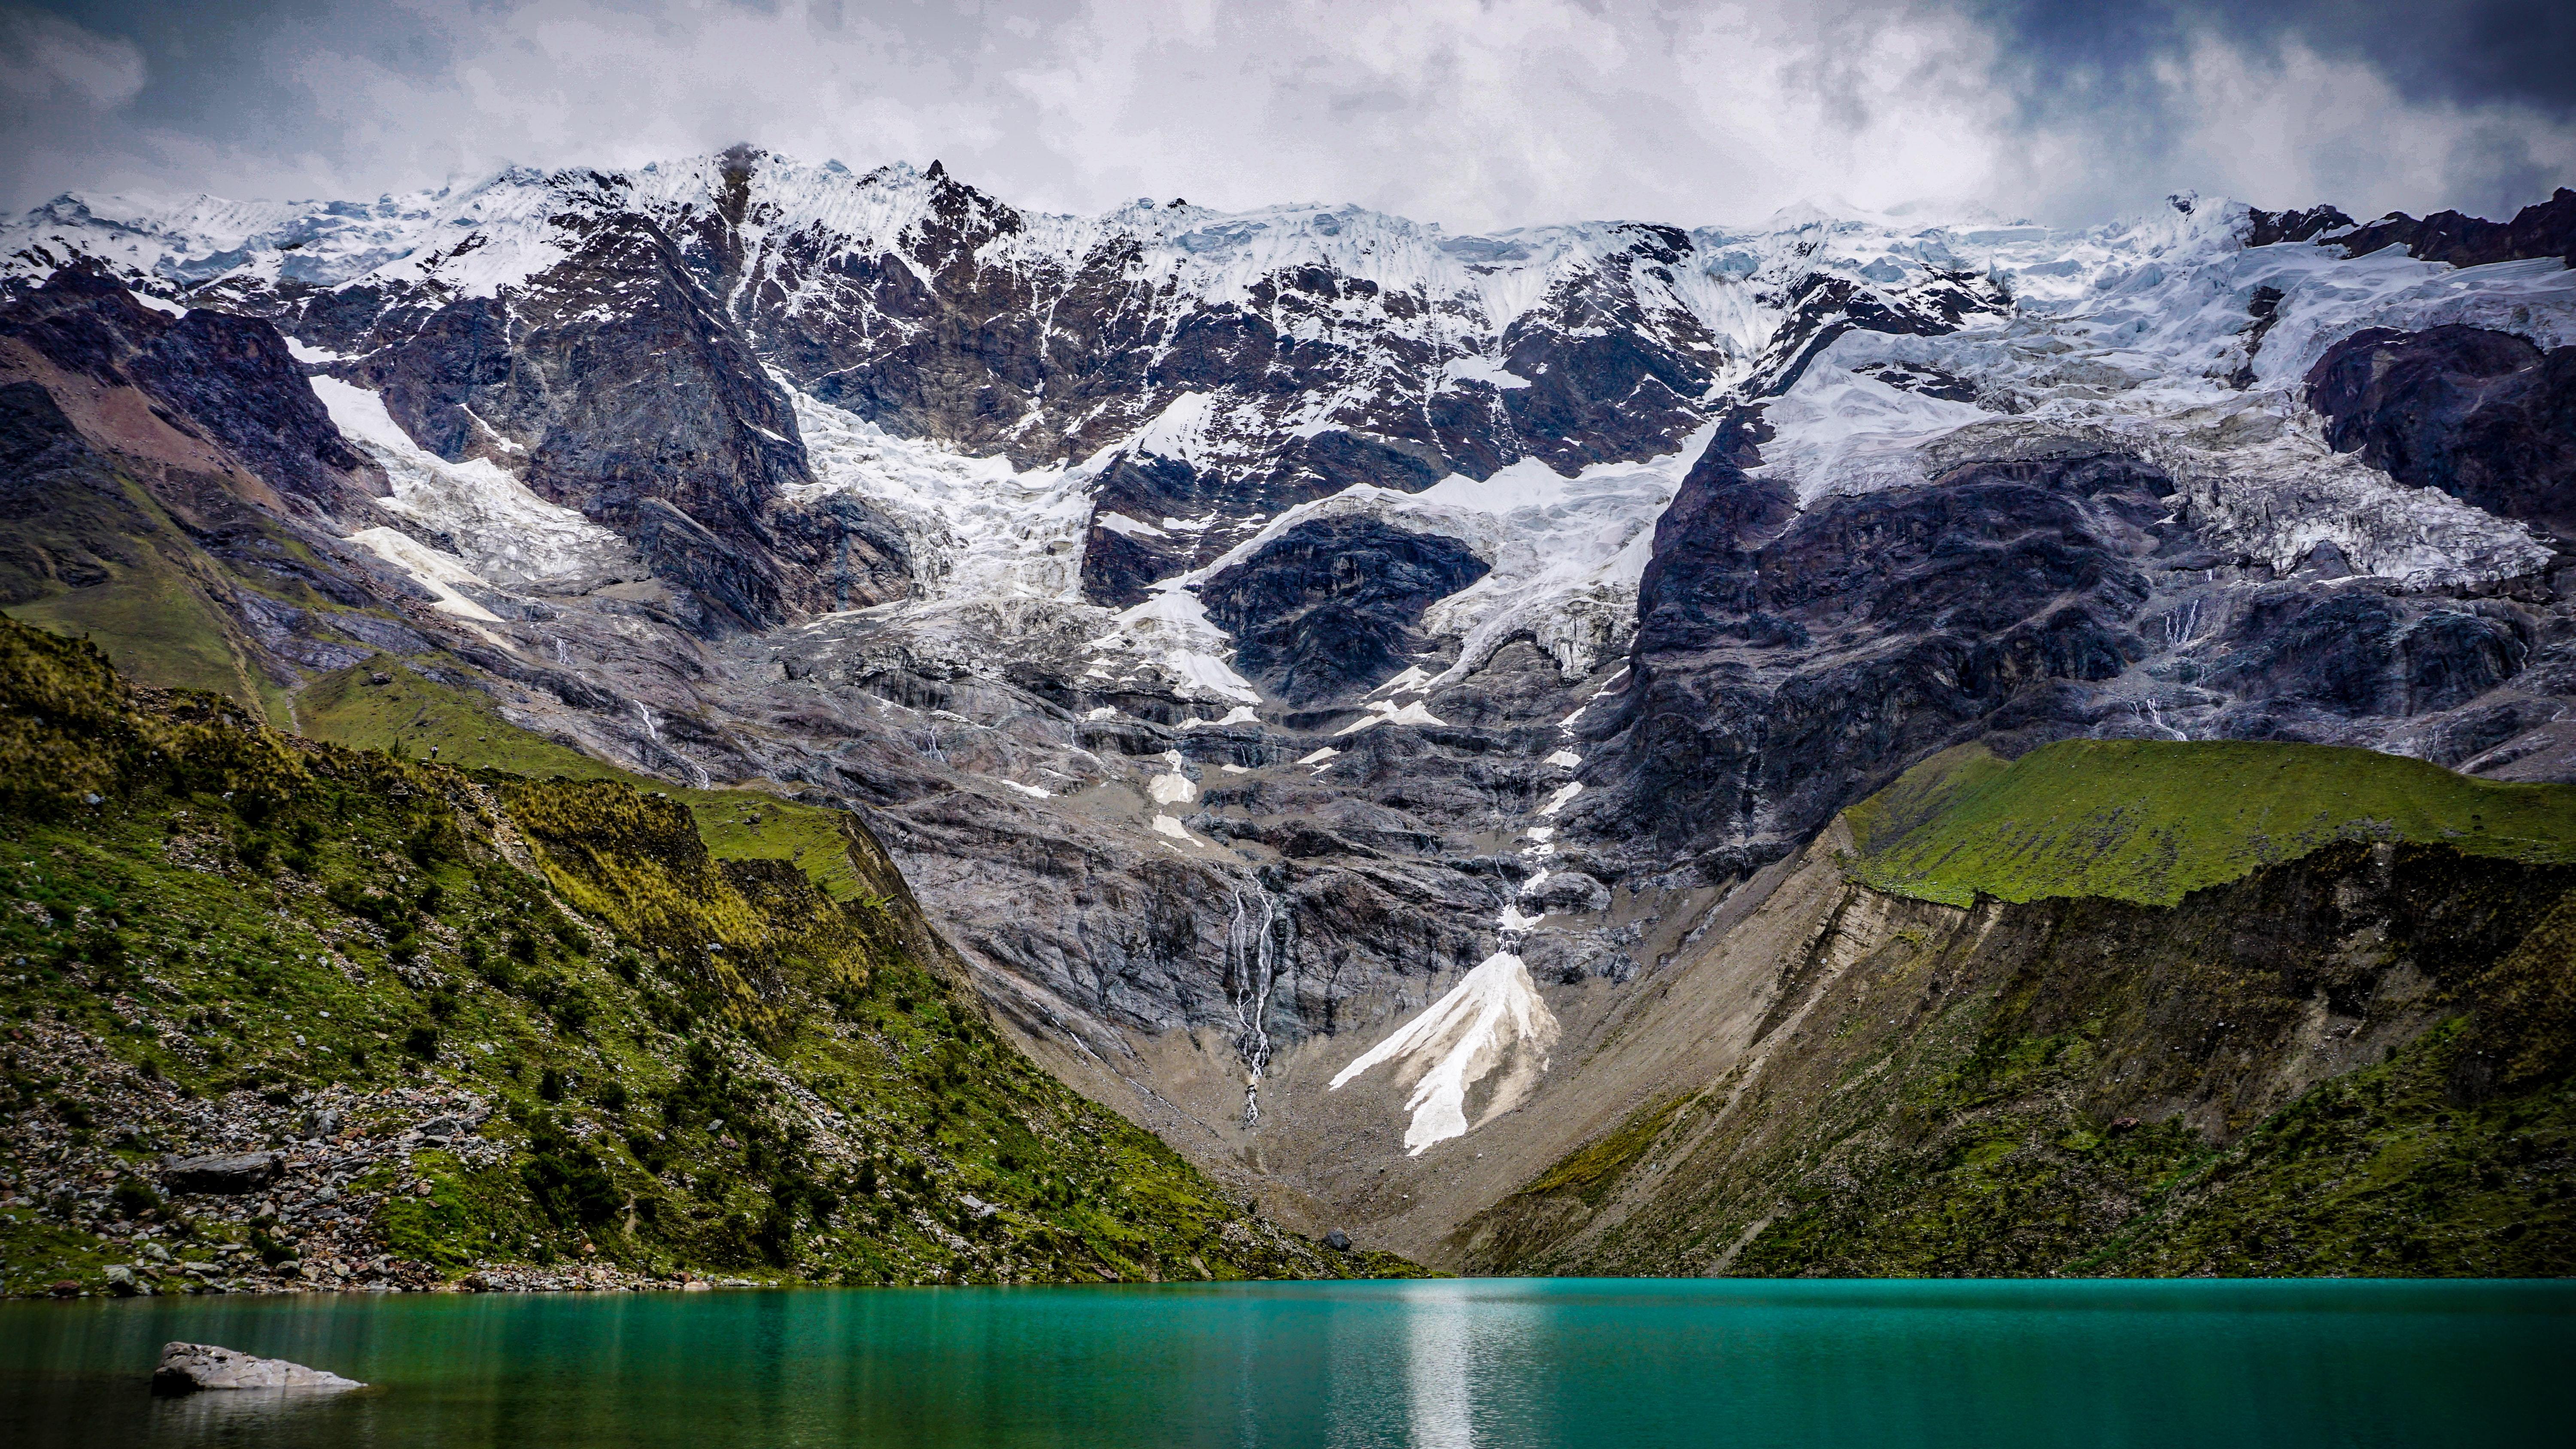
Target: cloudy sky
(1473, 113)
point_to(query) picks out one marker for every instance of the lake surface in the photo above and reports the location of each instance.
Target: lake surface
(1496, 1362)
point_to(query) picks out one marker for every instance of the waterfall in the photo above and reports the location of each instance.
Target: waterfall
(696, 771)
(1257, 942)
(2182, 625)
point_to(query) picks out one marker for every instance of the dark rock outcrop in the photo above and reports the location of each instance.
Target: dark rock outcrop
(2547, 229)
(2265, 308)
(1328, 608)
(225, 379)
(1787, 662)
(222, 1172)
(2297, 652)
(2484, 416)
(652, 416)
(2271, 228)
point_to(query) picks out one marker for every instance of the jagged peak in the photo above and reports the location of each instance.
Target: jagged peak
(1216, 255)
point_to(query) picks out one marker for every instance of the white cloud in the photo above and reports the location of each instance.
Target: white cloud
(2296, 126)
(46, 60)
(1473, 113)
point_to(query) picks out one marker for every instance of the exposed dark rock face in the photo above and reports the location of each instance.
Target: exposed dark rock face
(230, 378)
(2271, 228)
(1212, 510)
(1788, 661)
(2265, 309)
(1328, 608)
(2306, 660)
(1929, 381)
(2484, 416)
(2547, 229)
(652, 416)
(1822, 308)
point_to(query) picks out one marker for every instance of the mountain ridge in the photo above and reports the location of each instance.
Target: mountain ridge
(1050, 572)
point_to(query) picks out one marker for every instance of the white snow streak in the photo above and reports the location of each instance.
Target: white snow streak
(1493, 1018)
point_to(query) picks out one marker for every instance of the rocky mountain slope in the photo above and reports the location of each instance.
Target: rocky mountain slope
(2118, 1008)
(285, 1013)
(1316, 668)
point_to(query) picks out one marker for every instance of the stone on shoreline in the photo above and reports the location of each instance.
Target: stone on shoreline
(189, 1367)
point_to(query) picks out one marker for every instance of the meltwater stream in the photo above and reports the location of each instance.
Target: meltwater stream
(1449, 1363)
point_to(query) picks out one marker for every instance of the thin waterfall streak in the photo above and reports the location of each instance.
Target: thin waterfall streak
(1253, 950)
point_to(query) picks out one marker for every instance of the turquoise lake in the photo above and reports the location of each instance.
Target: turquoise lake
(1501, 1362)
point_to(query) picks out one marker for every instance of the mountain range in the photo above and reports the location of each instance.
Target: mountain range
(1450, 731)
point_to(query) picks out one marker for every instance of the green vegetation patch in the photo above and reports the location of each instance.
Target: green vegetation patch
(1590, 1170)
(683, 1061)
(157, 626)
(414, 716)
(2151, 820)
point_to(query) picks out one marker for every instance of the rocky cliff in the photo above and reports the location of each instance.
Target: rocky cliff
(2129, 1009)
(1268, 640)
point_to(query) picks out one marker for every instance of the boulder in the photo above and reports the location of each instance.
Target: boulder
(1569, 891)
(187, 1368)
(222, 1172)
(1338, 1241)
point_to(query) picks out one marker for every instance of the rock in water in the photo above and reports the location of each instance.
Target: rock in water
(188, 1367)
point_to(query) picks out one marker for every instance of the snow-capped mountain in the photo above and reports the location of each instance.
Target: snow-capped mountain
(1215, 368)
(1304, 656)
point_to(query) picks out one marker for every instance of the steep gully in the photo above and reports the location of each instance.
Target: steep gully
(1300, 664)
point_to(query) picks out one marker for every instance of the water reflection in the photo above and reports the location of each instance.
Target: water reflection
(1439, 1365)
(1442, 1365)
(235, 1414)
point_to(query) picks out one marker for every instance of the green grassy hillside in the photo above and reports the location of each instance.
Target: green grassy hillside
(107, 561)
(2361, 1062)
(418, 717)
(222, 938)
(2151, 820)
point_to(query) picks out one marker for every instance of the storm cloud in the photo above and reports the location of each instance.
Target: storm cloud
(1473, 113)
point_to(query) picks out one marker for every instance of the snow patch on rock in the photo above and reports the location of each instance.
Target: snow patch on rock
(500, 528)
(1492, 1020)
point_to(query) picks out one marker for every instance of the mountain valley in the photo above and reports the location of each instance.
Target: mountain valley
(1847, 745)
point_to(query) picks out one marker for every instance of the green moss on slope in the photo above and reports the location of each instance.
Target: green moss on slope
(694, 1062)
(2362, 1061)
(1590, 1170)
(2151, 820)
(413, 715)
